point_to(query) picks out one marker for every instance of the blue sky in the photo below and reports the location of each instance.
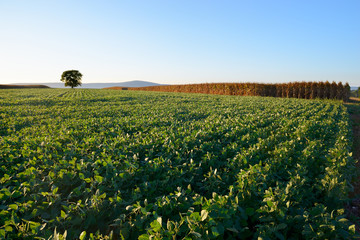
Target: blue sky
(175, 42)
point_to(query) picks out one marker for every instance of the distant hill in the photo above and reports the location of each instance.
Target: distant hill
(135, 83)
(11, 86)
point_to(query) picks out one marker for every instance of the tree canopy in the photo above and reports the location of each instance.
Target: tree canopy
(71, 78)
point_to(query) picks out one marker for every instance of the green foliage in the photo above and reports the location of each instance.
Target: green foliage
(71, 78)
(96, 164)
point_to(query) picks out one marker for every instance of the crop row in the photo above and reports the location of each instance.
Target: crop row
(307, 90)
(105, 163)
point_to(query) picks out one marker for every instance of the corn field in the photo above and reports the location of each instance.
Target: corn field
(306, 90)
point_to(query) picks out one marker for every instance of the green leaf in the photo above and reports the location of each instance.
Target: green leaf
(34, 225)
(143, 210)
(13, 206)
(170, 225)
(88, 180)
(82, 235)
(4, 213)
(6, 192)
(99, 178)
(63, 214)
(215, 231)
(352, 229)
(8, 229)
(159, 219)
(102, 196)
(155, 226)
(55, 190)
(196, 216)
(144, 237)
(2, 234)
(218, 230)
(233, 230)
(270, 203)
(204, 214)
(196, 234)
(43, 226)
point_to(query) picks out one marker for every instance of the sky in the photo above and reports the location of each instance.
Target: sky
(180, 41)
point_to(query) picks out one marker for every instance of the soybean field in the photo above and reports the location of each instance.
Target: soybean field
(107, 164)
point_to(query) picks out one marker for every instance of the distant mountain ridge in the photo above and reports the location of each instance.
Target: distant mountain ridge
(135, 83)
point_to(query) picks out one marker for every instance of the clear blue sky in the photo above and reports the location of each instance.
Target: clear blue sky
(181, 41)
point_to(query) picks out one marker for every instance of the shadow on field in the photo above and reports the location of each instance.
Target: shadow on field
(353, 107)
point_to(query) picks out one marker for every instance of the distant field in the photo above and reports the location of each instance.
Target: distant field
(9, 86)
(117, 88)
(146, 164)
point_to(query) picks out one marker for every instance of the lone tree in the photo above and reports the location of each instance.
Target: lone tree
(71, 78)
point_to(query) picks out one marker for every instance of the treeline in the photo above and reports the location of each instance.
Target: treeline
(355, 93)
(307, 90)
